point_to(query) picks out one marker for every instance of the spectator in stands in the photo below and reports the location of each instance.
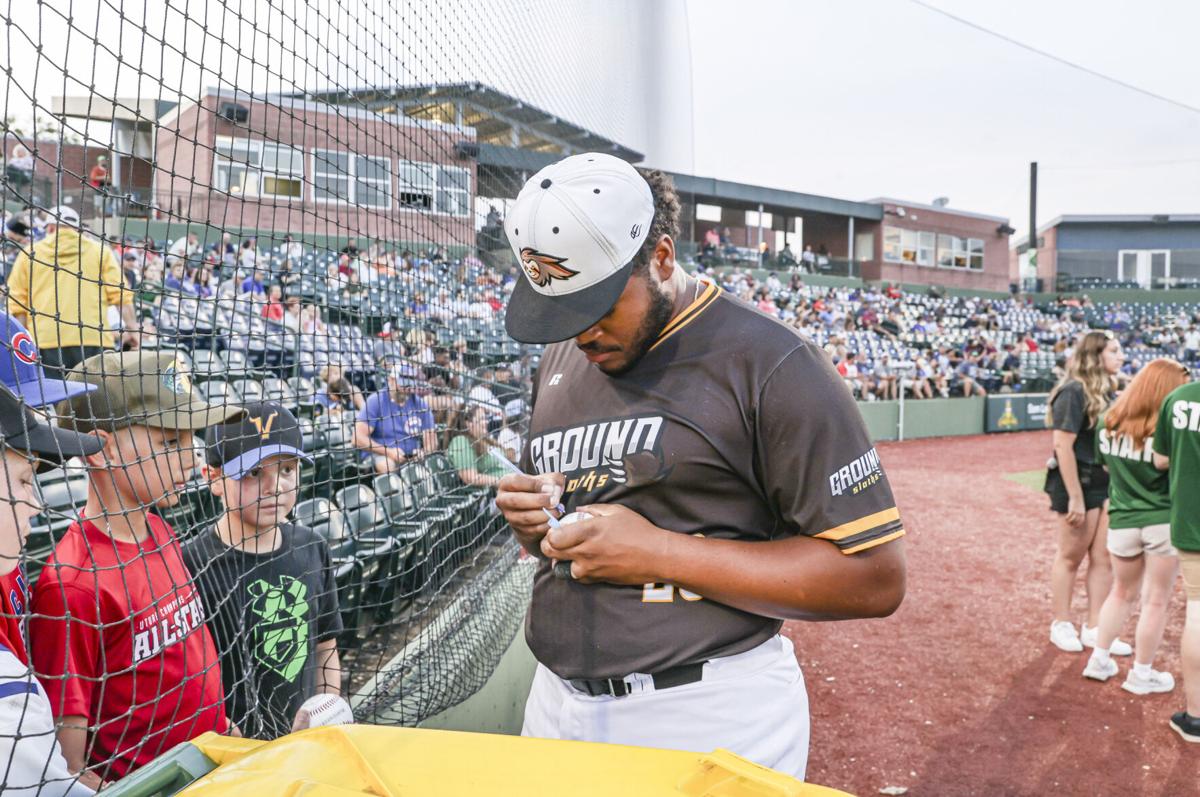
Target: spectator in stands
(28, 745)
(509, 436)
(887, 381)
(291, 249)
(225, 249)
(98, 638)
(98, 180)
(248, 257)
(336, 393)
(255, 283)
(311, 322)
(1078, 487)
(855, 379)
(395, 424)
(350, 250)
(177, 278)
(18, 170)
(787, 258)
(808, 259)
(267, 584)
(293, 315)
(185, 247)
(1010, 367)
(63, 292)
(470, 448)
(132, 269)
(504, 387)
(1191, 343)
(1139, 535)
(273, 309)
(967, 376)
(481, 394)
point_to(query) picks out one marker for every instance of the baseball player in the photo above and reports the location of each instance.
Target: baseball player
(728, 478)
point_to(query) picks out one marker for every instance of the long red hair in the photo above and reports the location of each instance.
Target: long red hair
(1135, 413)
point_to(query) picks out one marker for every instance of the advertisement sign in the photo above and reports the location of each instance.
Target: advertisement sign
(1016, 412)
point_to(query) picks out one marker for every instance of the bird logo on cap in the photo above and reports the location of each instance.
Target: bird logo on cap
(541, 267)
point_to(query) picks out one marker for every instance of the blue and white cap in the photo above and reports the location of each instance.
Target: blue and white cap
(21, 369)
(265, 430)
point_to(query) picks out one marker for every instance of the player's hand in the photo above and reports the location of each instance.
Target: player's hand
(522, 497)
(616, 545)
(1076, 510)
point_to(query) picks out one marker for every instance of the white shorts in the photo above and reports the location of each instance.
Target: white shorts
(753, 704)
(1153, 540)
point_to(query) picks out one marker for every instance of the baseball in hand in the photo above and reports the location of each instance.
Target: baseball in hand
(322, 710)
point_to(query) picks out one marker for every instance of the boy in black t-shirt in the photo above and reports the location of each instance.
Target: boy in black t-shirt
(267, 585)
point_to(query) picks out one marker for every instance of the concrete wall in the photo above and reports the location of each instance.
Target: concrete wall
(925, 418)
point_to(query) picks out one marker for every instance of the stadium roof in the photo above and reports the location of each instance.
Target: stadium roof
(740, 195)
(499, 119)
(1114, 218)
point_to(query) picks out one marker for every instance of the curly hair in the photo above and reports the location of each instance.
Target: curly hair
(667, 211)
(1087, 368)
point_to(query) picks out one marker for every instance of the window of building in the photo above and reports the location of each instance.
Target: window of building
(945, 250)
(454, 191)
(708, 212)
(891, 244)
(331, 175)
(925, 248)
(372, 182)
(418, 184)
(975, 253)
(752, 219)
(257, 168)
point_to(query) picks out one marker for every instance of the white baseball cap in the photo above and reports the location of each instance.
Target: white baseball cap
(64, 214)
(575, 228)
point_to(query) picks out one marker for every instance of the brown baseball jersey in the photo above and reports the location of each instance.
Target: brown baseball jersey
(732, 426)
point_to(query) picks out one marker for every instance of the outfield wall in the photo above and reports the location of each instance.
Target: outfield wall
(1008, 412)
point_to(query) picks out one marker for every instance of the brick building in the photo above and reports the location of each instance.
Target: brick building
(930, 244)
(285, 164)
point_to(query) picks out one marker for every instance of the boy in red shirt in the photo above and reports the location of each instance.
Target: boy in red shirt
(118, 634)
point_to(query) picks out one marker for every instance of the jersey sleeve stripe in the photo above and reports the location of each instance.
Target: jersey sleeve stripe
(21, 687)
(873, 542)
(858, 526)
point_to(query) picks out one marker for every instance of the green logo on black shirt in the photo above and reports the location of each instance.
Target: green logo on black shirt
(282, 631)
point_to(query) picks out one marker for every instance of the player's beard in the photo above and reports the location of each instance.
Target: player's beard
(658, 315)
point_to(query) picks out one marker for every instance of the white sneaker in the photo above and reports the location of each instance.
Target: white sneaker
(1099, 672)
(1156, 681)
(1117, 648)
(1065, 637)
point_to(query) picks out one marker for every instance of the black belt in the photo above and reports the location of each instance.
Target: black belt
(664, 679)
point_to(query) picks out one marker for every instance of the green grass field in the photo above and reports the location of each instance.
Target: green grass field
(1033, 479)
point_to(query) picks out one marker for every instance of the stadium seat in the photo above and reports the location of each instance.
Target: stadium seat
(327, 521)
(218, 391)
(378, 550)
(251, 390)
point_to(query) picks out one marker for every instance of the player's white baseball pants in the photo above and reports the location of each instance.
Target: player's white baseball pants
(753, 703)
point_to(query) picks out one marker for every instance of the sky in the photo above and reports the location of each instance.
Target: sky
(869, 98)
(849, 98)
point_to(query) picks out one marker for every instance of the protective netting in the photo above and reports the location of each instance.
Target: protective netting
(269, 234)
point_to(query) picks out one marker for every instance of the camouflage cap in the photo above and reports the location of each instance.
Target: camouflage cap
(146, 388)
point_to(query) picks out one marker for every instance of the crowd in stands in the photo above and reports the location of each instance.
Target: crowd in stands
(885, 341)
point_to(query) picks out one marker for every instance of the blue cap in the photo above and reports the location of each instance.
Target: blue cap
(21, 369)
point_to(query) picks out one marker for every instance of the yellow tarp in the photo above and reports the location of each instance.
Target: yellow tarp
(411, 762)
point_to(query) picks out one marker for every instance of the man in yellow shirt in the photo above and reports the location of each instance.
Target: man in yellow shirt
(63, 291)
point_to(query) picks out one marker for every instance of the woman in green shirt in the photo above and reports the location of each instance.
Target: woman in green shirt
(470, 448)
(1139, 536)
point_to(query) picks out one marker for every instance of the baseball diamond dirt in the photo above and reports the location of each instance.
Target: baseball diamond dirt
(961, 692)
